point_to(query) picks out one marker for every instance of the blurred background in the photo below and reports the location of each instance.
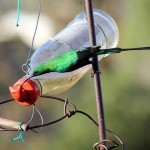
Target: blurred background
(125, 77)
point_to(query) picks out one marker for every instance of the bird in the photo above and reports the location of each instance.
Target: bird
(68, 61)
(75, 59)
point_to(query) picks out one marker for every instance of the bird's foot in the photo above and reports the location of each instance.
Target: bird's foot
(93, 48)
(94, 72)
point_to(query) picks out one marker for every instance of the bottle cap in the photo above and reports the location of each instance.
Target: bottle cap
(25, 91)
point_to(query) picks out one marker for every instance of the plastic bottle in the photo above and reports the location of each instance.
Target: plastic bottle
(74, 36)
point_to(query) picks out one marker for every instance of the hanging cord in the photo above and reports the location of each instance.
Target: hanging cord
(26, 67)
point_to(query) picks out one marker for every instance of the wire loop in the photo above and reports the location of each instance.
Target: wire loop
(98, 145)
(26, 67)
(69, 113)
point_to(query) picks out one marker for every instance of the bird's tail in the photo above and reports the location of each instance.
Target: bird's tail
(107, 51)
(97, 51)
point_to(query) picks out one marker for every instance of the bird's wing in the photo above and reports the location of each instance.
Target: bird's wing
(62, 62)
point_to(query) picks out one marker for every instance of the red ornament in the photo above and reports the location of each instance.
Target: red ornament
(25, 91)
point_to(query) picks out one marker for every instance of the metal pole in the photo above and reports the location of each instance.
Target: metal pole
(98, 91)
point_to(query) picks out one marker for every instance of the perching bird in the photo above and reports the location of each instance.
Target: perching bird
(75, 59)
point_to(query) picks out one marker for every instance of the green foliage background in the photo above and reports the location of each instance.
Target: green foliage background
(125, 81)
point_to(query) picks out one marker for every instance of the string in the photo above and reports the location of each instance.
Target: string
(26, 67)
(20, 135)
(18, 14)
(33, 108)
(42, 121)
(32, 116)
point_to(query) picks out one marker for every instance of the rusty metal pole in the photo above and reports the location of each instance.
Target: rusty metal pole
(98, 91)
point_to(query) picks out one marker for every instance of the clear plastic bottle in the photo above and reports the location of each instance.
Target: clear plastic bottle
(74, 36)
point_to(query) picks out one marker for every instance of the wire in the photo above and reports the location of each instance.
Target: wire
(67, 114)
(53, 97)
(47, 124)
(88, 116)
(31, 48)
(6, 101)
